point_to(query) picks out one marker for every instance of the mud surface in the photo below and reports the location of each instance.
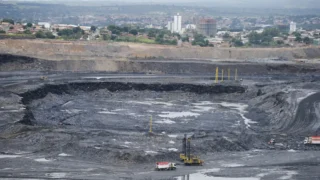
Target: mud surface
(95, 125)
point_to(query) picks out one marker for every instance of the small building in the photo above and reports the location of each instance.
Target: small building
(291, 39)
(46, 25)
(277, 39)
(5, 23)
(316, 42)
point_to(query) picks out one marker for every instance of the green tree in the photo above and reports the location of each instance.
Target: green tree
(2, 32)
(226, 36)
(185, 39)
(93, 28)
(280, 42)
(133, 32)
(114, 29)
(237, 42)
(105, 37)
(152, 34)
(125, 29)
(27, 31)
(29, 25)
(298, 39)
(49, 35)
(77, 30)
(40, 34)
(307, 40)
(11, 27)
(11, 21)
(254, 38)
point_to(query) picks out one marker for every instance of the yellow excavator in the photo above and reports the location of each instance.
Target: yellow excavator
(186, 156)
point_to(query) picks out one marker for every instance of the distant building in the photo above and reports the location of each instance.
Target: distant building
(293, 27)
(177, 23)
(277, 39)
(191, 26)
(284, 28)
(207, 27)
(170, 26)
(46, 25)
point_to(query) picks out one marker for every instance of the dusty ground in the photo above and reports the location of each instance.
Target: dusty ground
(82, 50)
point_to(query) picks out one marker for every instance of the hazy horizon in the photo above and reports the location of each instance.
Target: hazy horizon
(211, 3)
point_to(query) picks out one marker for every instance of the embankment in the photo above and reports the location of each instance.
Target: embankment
(83, 50)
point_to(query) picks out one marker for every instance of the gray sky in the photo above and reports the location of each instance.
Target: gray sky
(219, 3)
(238, 3)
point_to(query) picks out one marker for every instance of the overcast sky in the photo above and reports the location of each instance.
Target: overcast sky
(238, 3)
(219, 3)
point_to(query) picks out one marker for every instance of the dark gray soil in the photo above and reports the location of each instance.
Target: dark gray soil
(95, 125)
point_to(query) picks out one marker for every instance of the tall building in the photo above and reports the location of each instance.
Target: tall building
(170, 26)
(177, 23)
(207, 27)
(293, 27)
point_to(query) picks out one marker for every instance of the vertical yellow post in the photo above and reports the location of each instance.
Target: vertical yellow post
(222, 71)
(236, 75)
(229, 74)
(150, 130)
(217, 74)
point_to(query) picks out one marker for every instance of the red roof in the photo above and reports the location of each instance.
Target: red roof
(207, 21)
(162, 163)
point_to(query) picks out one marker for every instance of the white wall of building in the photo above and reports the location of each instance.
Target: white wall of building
(45, 24)
(170, 26)
(293, 27)
(177, 23)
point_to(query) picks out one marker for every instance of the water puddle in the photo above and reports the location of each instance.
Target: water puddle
(9, 156)
(165, 121)
(178, 114)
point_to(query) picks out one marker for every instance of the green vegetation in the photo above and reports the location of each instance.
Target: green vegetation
(8, 21)
(133, 32)
(226, 36)
(29, 25)
(298, 36)
(44, 35)
(2, 32)
(93, 28)
(154, 36)
(27, 31)
(265, 38)
(199, 40)
(307, 40)
(134, 39)
(75, 33)
(237, 42)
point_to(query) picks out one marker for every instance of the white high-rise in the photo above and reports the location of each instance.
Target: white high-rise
(177, 23)
(293, 27)
(170, 26)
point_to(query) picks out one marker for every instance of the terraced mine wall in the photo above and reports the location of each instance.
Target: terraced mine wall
(16, 63)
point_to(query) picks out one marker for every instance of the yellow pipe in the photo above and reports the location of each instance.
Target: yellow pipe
(236, 75)
(229, 74)
(222, 75)
(150, 130)
(217, 74)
